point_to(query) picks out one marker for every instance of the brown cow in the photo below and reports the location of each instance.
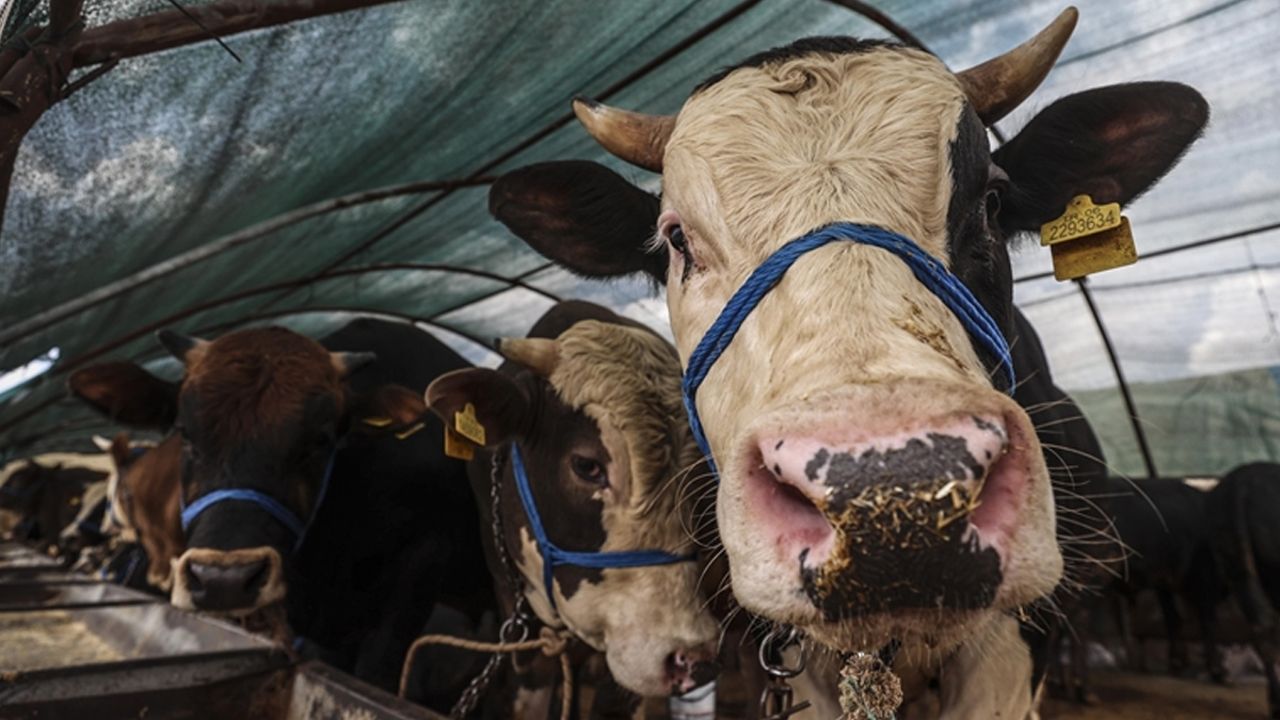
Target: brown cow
(145, 502)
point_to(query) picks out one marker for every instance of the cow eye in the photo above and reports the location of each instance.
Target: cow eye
(992, 201)
(675, 236)
(589, 470)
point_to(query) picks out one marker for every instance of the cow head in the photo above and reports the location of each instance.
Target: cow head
(258, 410)
(874, 484)
(597, 416)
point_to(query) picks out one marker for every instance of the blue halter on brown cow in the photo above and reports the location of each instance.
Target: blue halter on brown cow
(304, 482)
(854, 354)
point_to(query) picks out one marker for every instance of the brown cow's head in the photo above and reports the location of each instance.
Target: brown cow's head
(874, 484)
(259, 409)
(597, 416)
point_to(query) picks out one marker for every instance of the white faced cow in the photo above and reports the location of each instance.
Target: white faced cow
(876, 481)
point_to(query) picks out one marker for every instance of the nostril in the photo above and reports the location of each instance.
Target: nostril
(195, 583)
(792, 513)
(255, 577)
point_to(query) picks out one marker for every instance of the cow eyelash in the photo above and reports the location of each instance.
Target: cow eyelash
(589, 470)
(676, 238)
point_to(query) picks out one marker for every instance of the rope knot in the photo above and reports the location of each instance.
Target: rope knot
(554, 643)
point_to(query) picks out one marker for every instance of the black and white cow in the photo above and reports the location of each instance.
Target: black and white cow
(591, 403)
(301, 483)
(875, 482)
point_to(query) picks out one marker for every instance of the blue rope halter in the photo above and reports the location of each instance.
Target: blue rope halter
(272, 506)
(553, 555)
(931, 273)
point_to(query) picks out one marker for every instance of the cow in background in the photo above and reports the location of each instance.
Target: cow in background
(1163, 526)
(592, 401)
(306, 481)
(849, 355)
(145, 502)
(1244, 536)
(45, 493)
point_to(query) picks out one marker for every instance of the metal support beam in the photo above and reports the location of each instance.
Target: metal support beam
(1130, 406)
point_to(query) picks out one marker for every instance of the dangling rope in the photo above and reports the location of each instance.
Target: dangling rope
(550, 642)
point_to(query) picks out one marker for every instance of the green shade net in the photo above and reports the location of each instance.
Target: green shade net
(173, 152)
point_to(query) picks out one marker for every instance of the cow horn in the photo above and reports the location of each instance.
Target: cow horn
(998, 85)
(348, 362)
(635, 137)
(540, 355)
(186, 348)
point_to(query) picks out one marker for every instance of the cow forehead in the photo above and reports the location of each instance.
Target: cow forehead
(259, 377)
(773, 151)
(630, 378)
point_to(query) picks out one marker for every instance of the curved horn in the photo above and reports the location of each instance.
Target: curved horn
(348, 362)
(998, 85)
(540, 355)
(635, 137)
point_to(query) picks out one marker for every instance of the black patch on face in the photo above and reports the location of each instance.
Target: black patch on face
(898, 545)
(978, 255)
(571, 517)
(818, 45)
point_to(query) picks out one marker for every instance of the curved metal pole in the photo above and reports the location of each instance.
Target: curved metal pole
(1129, 404)
(265, 289)
(53, 315)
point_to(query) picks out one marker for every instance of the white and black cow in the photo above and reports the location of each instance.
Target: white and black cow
(299, 483)
(590, 401)
(876, 483)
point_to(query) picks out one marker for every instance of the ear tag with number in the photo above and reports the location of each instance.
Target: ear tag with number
(465, 422)
(456, 446)
(1088, 238)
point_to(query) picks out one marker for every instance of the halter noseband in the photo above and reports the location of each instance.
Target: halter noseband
(931, 273)
(553, 555)
(272, 506)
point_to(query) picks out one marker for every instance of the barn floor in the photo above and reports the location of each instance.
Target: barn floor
(1128, 696)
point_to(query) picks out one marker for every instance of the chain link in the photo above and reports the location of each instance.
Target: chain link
(516, 627)
(777, 701)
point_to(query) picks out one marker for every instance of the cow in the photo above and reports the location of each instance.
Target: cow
(305, 480)
(1241, 517)
(45, 493)
(588, 408)
(1162, 524)
(877, 488)
(145, 502)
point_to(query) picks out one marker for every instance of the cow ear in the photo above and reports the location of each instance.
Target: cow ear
(127, 394)
(583, 216)
(1110, 143)
(120, 449)
(389, 407)
(501, 407)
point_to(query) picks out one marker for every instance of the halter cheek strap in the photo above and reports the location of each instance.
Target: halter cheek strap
(272, 506)
(553, 555)
(931, 273)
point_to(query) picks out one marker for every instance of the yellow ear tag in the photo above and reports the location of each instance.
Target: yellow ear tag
(456, 446)
(378, 422)
(1088, 238)
(467, 425)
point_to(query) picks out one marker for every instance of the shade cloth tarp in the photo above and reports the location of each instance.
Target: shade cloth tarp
(173, 151)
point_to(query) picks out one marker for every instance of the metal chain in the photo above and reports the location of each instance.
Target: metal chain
(777, 701)
(516, 627)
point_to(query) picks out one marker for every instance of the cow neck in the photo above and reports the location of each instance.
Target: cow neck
(553, 555)
(932, 274)
(273, 507)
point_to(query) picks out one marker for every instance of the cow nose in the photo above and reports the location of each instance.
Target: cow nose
(691, 668)
(226, 587)
(913, 519)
